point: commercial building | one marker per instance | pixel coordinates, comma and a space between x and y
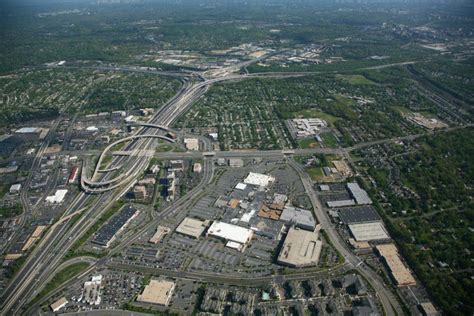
258, 179
139, 192
73, 175
14, 189
161, 232
340, 203
157, 292
108, 232
236, 162
237, 237
428, 309
191, 143
241, 186
398, 270
192, 227
369, 231
301, 248
197, 167
299, 217
91, 294
56, 306
359, 214
58, 197
358, 194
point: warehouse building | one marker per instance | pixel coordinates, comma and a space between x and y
237, 237
192, 227
398, 270
360, 214
299, 217
369, 231
301, 248
340, 203
108, 232
157, 292
358, 194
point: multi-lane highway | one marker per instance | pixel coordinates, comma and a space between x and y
47, 256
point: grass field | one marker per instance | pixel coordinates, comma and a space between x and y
61, 277
355, 79
329, 139
308, 143
316, 173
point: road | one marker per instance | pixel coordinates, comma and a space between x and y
389, 302
46, 257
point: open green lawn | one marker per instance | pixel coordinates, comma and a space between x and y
329, 139
61, 277
308, 143
355, 79
315, 173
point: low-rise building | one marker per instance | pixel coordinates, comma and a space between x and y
192, 227
139, 192
191, 144
161, 232
14, 189
358, 194
157, 292
258, 179
399, 272
58, 197
197, 167
237, 237
299, 217
369, 231
301, 248
236, 162
61, 303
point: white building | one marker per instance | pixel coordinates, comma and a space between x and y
14, 189
192, 144
58, 197
237, 237
258, 179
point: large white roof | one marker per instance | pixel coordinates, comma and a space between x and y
58, 197
259, 179
230, 232
369, 231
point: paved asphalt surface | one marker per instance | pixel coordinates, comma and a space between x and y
46, 258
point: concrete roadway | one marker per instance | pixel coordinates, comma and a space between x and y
388, 300
39, 263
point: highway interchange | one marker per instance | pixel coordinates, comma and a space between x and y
104, 187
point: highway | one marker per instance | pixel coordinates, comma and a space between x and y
48, 254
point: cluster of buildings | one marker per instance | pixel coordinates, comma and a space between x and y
358, 196
252, 210
307, 127
428, 123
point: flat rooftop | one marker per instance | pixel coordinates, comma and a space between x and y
230, 232
300, 217
157, 292
191, 227
359, 214
359, 194
301, 248
399, 271
369, 231
259, 179
107, 232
